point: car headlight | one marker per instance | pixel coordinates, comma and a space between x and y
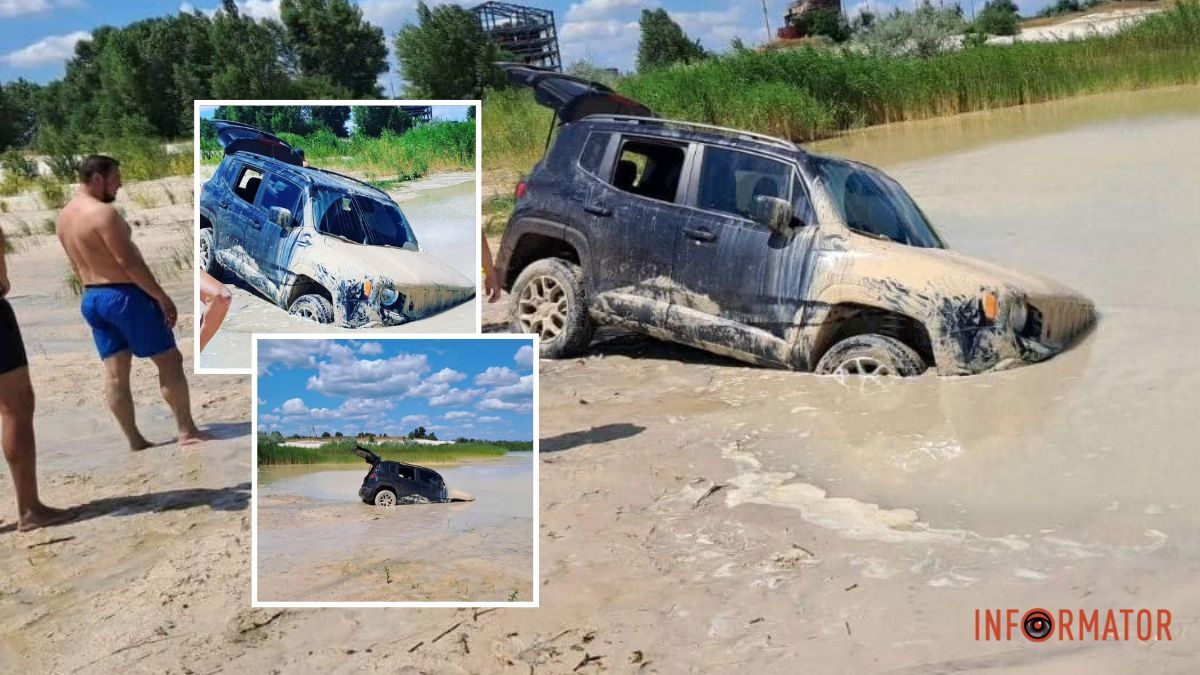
388, 296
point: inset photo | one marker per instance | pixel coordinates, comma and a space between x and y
395, 471
332, 216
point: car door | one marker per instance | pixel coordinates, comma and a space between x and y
276, 242
738, 285
240, 248
636, 215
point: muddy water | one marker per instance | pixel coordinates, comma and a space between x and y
442, 212
318, 541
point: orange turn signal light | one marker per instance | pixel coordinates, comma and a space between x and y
366, 289
990, 306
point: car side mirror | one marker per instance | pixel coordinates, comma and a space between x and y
281, 216
772, 212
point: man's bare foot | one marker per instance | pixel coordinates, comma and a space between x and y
193, 437
140, 444
44, 516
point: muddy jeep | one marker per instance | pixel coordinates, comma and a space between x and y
747, 246
318, 244
389, 483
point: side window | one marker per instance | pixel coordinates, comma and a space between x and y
593, 152
279, 192
247, 183
730, 180
404, 471
649, 169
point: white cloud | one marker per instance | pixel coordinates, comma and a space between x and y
458, 415
370, 349
428, 389
19, 7
524, 357
523, 388
260, 9
488, 419
388, 14
446, 376
591, 10
51, 49
455, 397
496, 375
495, 404
262, 401
382, 377
420, 420
298, 353
269, 419
295, 406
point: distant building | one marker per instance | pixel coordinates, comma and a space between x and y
792, 26
527, 33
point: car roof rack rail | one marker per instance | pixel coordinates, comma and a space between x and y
356, 180
724, 131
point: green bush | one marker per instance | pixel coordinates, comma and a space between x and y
54, 194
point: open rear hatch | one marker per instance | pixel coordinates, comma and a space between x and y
570, 97
238, 137
366, 454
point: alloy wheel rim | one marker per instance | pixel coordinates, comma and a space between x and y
386, 499
864, 365
543, 307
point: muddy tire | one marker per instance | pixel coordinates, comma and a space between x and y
871, 354
208, 254
384, 497
313, 307
548, 300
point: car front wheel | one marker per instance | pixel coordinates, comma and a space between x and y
385, 497
871, 354
312, 307
548, 300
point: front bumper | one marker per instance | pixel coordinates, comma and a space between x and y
1052, 325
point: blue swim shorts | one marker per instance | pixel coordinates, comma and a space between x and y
124, 317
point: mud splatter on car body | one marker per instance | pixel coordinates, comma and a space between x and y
750, 247
294, 232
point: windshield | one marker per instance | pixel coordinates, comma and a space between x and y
873, 204
361, 219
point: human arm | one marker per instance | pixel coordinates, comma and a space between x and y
118, 240
491, 283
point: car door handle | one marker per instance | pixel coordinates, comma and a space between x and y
597, 209
699, 234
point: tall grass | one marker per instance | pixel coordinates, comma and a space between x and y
809, 92
424, 149
341, 452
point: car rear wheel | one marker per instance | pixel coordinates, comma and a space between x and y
385, 497
312, 307
208, 254
873, 355
548, 300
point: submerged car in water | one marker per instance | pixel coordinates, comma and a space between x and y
389, 483
321, 245
748, 246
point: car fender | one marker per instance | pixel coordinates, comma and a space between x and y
523, 225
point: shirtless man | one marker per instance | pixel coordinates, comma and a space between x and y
128, 311
16, 417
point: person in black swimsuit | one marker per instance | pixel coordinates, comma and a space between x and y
16, 417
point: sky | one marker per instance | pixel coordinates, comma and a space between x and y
38, 36
473, 388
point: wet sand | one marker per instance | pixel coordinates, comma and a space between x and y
318, 542
442, 211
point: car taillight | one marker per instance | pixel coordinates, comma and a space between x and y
371, 476
522, 188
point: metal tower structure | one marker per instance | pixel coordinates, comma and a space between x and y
527, 33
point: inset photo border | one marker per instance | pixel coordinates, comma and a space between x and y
298, 228
395, 471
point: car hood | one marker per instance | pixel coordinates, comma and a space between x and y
404, 267
572, 98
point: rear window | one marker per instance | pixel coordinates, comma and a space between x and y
280, 192
649, 169
593, 152
247, 184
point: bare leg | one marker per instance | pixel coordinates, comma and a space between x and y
174, 385
16, 414
216, 298
120, 398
